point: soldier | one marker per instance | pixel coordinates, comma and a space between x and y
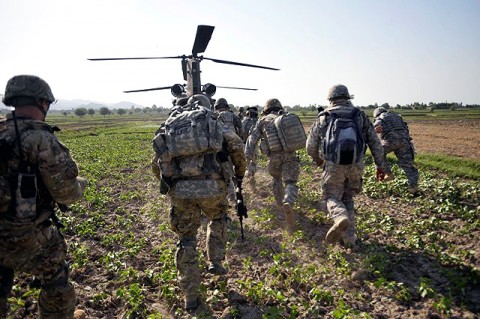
36, 171
282, 166
241, 113
342, 177
230, 120
248, 123
203, 190
395, 137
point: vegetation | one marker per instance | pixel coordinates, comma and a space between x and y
417, 257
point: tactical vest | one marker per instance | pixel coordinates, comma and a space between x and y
23, 195
392, 122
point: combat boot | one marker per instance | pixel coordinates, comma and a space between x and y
414, 191
3, 307
216, 268
336, 231
289, 217
191, 302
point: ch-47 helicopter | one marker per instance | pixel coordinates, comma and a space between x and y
191, 68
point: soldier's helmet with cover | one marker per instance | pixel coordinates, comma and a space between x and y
200, 99
272, 104
378, 111
338, 91
221, 103
30, 86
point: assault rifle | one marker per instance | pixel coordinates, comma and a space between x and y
241, 208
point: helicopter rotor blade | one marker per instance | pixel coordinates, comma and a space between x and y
138, 58
203, 36
152, 89
236, 88
241, 64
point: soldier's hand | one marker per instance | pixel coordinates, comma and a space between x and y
380, 174
379, 129
82, 182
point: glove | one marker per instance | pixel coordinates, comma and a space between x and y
320, 162
380, 174
82, 182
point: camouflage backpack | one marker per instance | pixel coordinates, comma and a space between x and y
285, 133
187, 143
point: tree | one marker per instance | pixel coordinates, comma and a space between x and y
104, 111
81, 111
91, 111
121, 111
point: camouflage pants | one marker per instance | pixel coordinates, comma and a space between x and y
405, 155
185, 221
41, 253
340, 183
285, 169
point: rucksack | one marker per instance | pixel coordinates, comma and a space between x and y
290, 132
344, 143
184, 141
285, 133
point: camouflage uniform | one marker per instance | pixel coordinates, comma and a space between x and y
233, 123
186, 212
282, 166
395, 137
341, 182
248, 123
31, 244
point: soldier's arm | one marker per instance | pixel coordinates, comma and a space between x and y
373, 142
378, 125
58, 170
313, 143
252, 140
155, 167
238, 125
235, 148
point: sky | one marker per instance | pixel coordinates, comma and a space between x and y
384, 51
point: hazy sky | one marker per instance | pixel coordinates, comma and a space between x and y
395, 51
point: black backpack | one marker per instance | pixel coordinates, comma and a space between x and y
344, 143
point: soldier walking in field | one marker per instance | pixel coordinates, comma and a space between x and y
283, 165
337, 141
395, 137
36, 172
248, 123
194, 169
230, 122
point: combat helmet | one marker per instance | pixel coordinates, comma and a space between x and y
199, 99
378, 111
30, 86
338, 91
221, 103
272, 104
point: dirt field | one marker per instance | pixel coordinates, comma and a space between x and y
456, 138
